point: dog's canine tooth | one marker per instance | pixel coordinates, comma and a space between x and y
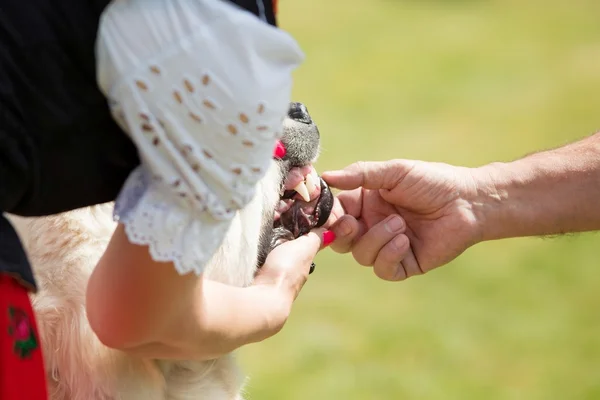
303, 191
311, 185
315, 175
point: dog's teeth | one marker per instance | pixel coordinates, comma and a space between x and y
303, 191
315, 175
310, 183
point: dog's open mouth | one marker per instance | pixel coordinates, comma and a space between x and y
305, 202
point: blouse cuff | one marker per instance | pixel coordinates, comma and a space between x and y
202, 88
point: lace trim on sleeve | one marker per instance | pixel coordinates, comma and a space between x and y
203, 98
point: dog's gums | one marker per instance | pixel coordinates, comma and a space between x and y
301, 211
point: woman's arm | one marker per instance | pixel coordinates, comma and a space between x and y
201, 88
146, 308
546, 193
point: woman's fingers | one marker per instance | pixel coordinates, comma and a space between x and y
288, 265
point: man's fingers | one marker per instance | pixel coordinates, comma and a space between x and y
348, 202
388, 264
369, 175
367, 248
347, 230
351, 202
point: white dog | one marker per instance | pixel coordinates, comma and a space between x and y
65, 248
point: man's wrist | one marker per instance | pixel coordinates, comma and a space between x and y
495, 205
546, 193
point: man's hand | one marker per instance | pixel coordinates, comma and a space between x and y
444, 209
403, 217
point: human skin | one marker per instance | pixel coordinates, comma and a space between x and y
407, 217
147, 309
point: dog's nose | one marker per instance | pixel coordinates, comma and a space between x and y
298, 112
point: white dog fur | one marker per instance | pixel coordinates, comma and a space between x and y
65, 248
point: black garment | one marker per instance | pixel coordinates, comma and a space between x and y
263, 9
60, 149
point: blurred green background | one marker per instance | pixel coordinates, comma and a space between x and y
464, 82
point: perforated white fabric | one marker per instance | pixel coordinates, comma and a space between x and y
202, 88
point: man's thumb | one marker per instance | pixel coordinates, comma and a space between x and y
368, 174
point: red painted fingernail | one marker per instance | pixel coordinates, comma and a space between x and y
279, 151
328, 238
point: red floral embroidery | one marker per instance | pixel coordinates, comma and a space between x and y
20, 329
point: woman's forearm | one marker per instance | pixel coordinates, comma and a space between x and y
234, 319
547, 193
146, 308
223, 318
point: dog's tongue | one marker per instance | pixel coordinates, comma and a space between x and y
305, 181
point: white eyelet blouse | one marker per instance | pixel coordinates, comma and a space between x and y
201, 87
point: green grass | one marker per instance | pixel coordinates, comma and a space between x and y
465, 82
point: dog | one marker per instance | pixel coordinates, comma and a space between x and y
290, 200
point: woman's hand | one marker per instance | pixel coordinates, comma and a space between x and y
286, 270
145, 308
288, 265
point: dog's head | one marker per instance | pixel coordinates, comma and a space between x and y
305, 199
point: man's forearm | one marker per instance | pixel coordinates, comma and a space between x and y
547, 193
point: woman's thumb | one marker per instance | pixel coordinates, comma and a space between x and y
307, 246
